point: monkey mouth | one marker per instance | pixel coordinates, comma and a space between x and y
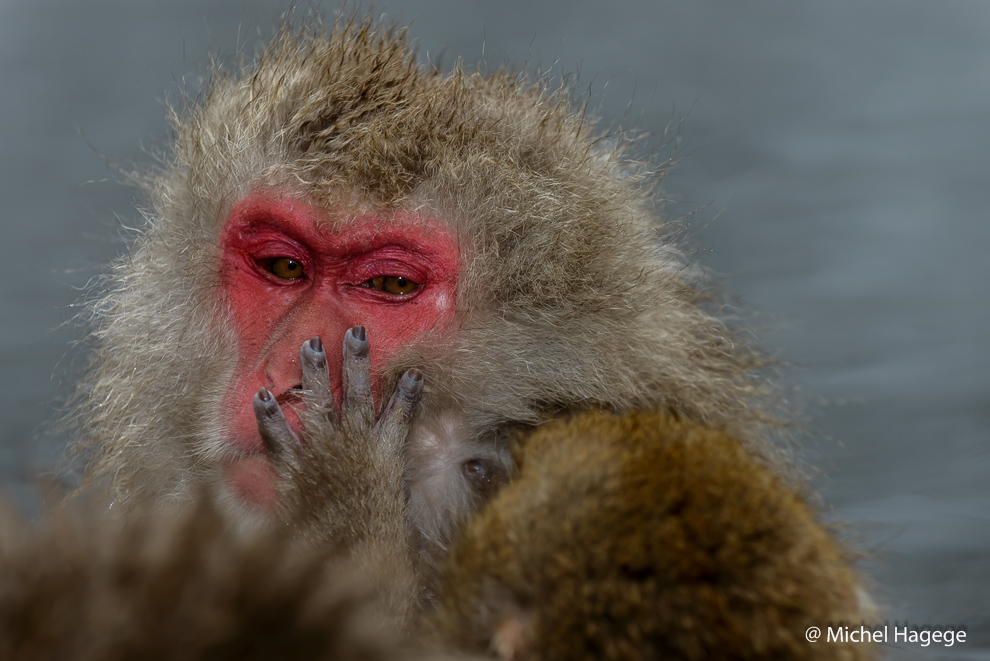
244, 440
293, 404
291, 399
247, 469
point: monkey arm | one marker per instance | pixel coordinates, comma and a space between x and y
341, 484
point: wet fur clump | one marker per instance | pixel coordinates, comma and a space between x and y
646, 536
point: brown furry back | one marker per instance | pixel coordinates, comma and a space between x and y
178, 587
571, 294
646, 536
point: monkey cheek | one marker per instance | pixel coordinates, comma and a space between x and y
251, 480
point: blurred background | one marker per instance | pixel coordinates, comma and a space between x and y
835, 156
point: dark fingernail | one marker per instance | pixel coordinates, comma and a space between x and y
316, 345
412, 382
358, 333
264, 395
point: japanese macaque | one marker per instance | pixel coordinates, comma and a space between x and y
476, 227
487, 260
640, 535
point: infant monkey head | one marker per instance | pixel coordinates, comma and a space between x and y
646, 536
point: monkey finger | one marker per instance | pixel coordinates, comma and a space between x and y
315, 377
358, 408
393, 426
279, 439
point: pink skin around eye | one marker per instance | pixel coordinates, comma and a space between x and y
274, 316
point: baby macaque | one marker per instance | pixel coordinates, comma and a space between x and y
646, 536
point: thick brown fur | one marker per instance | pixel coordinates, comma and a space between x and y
180, 585
571, 294
646, 536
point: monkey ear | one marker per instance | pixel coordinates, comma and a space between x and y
511, 638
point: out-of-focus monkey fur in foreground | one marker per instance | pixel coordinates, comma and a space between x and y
640, 536
575, 461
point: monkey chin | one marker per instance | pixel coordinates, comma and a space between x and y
250, 480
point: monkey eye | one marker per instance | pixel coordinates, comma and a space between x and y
392, 284
285, 268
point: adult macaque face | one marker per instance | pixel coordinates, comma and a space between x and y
293, 271
478, 226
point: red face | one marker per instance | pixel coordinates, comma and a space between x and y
289, 277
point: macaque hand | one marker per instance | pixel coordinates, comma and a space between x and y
343, 479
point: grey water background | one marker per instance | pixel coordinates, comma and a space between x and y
836, 156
